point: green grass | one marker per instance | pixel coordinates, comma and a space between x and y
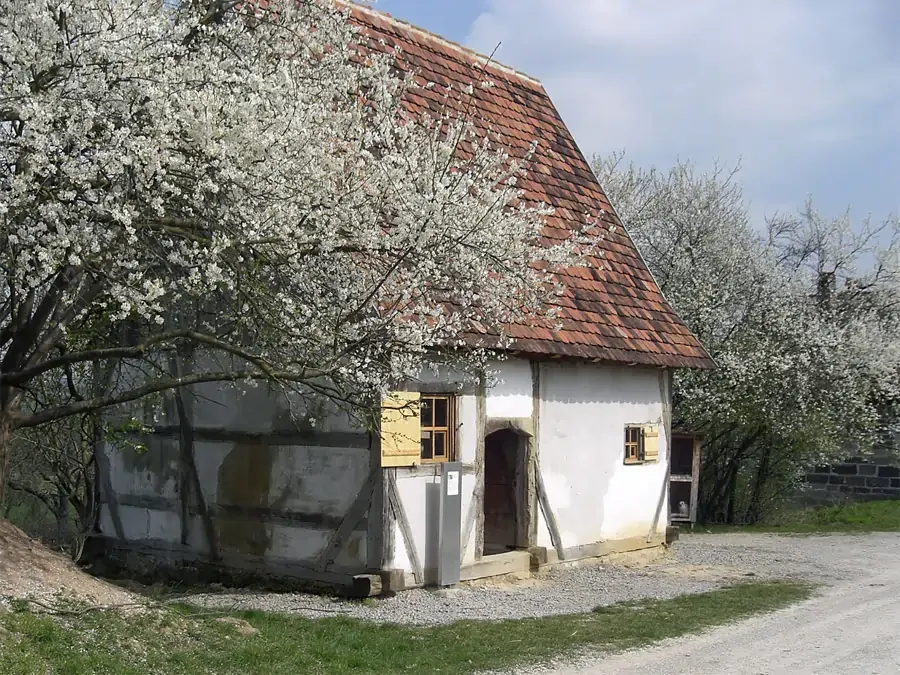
177, 642
875, 516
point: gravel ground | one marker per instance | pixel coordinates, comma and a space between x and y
822, 558
852, 627
697, 563
568, 591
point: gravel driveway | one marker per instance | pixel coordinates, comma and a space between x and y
697, 563
851, 628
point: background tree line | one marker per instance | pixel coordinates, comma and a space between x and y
799, 312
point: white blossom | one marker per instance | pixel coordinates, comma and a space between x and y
231, 170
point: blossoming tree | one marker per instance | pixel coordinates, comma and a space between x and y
800, 315
238, 180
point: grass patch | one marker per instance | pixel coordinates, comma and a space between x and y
875, 516
177, 642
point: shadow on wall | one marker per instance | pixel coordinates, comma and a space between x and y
432, 531
262, 410
244, 482
597, 383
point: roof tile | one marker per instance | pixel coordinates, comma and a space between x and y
614, 312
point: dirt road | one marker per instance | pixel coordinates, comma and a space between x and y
852, 627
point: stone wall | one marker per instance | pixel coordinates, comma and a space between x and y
857, 479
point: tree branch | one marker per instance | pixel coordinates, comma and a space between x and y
50, 414
20, 487
23, 376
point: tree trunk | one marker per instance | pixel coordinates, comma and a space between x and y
762, 476
90, 516
189, 476
734, 468
6, 436
102, 377
63, 519
731, 496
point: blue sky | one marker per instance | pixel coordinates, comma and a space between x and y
804, 93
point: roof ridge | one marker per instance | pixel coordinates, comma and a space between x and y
489, 61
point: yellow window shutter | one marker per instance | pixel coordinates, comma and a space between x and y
400, 429
651, 443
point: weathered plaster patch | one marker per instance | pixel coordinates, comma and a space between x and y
244, 478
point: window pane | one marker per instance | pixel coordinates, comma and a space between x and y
440, 444
426, 445
427, 412
440, 412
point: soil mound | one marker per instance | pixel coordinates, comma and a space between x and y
31, 571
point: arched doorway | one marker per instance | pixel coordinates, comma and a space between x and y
504, 462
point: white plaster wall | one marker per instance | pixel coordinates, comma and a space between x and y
412, 492
438, 377
510, 392
468, 496
583, 411
308, 479
423, 517
302, 480
412, 489
467, 432
152, 471
288, 543
143, 524
296, 543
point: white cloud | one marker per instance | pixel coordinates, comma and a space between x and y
784, 84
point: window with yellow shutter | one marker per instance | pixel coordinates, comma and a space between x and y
417, 429
641, 443
399, 429
650, 433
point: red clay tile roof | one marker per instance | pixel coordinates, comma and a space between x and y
614, 313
